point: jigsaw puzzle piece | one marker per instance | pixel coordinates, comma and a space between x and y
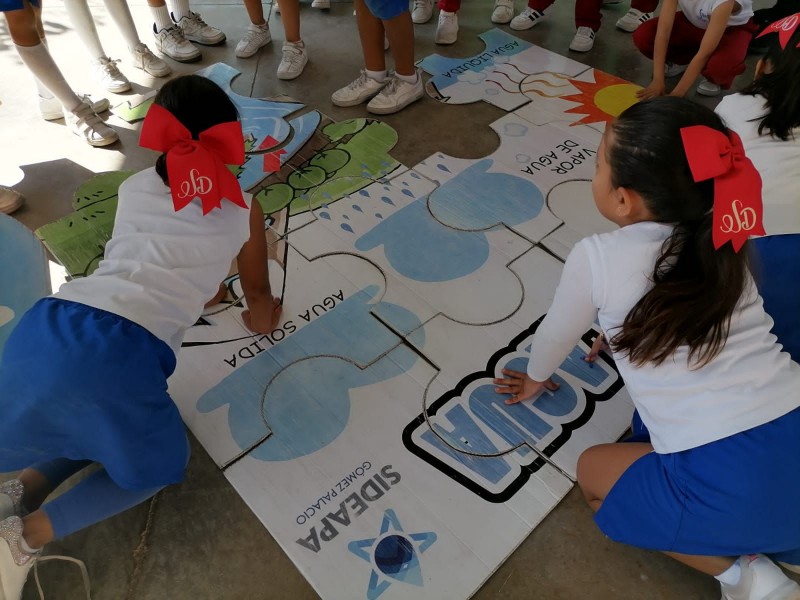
593, 98
573, 203
78, 240
498, 75
263, 121
590, 407
135, 108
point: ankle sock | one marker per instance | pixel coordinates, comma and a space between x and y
180, 9
731, 575
161, 17
39, 62
23, 545
407, 78
378, 76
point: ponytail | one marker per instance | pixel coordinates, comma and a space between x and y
695, 287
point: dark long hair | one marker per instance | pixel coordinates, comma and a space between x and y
198, 103
695, 287
780, 88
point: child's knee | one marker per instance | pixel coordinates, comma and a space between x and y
644, 37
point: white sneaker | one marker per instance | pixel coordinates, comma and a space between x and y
14, 563
526, 19
632, 19
583, 40
359, 90
171, 42
197, 30
109, 76
447, 29
762, 579
294, 60
148, 62
673, 70
708, 88
255, 38
503, 11
52, 110
321, 4
10, 200
83, 122
422, 11
396, 95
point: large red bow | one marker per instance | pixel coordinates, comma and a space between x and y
737, 184
196, 167
785, 28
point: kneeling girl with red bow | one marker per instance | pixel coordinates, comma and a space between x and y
83, 377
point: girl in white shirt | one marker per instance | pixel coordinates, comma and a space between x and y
717, 485
83, 376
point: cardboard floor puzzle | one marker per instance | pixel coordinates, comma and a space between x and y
364, 430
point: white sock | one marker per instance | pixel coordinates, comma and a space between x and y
730, 576
179, 9
121, 14
39, 62
407, 78
83, 22
23, 545
378, 76
40, 87
161, 17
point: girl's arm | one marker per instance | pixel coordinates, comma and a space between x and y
263, 311
717, 25
666, 19
572, 313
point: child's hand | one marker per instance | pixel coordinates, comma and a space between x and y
598, 346
656, 88
521, 387
263, 317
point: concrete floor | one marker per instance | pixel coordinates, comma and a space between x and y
199, 540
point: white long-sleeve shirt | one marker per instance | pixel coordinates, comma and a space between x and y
751, 382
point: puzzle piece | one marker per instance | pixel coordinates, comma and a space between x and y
24, 277
593, 98
135, 108
263, 121
79, 239
497, 75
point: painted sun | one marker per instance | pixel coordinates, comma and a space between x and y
603, 99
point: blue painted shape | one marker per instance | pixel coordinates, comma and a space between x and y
420, 248
476, 199
260, 118
303, 128
491, 408
24, 276
576, 366
316, 368
445, 70
464, 428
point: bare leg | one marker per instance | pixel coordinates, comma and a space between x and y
37, 529
400, 32
256, 12
600, 467
370, 30
290, 16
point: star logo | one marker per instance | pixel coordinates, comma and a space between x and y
393, 555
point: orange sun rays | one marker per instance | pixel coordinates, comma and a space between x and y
601, 100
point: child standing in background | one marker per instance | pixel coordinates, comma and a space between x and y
716, 485
708, 37
109, 340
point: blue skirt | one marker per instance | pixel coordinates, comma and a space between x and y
7, 5
739, 495
81, 383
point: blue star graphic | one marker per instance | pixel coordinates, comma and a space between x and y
393, 555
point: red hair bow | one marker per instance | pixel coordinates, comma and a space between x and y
196, 167
785, 28
737, 184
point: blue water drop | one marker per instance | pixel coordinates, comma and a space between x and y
379, 215
357, 208
347, 227
346, 217
408, 193
387, 200
324, 205
441, 167
364, 193
325, 215
415, 175
405, 183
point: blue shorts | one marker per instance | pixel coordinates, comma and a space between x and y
9, 5
384, 9
739, 495
84, 384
